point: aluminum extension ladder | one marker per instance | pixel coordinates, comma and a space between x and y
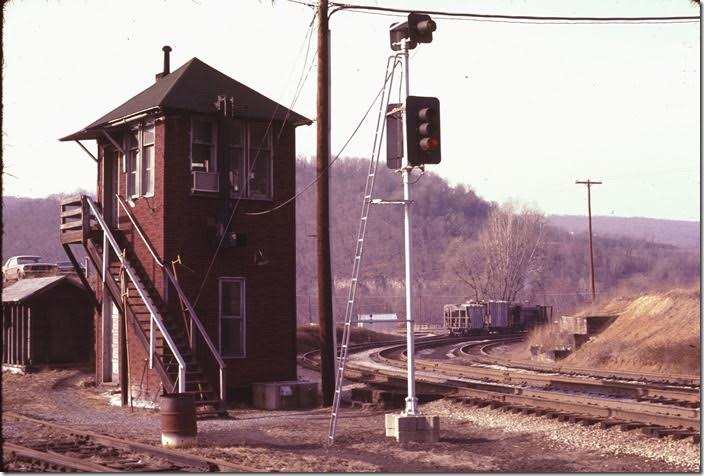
359, 251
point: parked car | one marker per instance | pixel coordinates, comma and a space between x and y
66, 267
21, 267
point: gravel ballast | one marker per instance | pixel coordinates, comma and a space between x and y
471, 439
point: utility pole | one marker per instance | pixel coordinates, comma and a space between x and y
589, 184
325, 317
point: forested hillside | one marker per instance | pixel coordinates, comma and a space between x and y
455, 232
446, 222
31, 227
679, 233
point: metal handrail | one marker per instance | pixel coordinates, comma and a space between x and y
154, 315
181, 294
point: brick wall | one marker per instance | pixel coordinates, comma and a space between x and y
190, 231
178, 223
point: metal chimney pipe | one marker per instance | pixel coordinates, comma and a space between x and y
167, 68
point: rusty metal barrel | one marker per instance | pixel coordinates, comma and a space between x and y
178, 420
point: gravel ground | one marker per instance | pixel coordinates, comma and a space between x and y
472, 439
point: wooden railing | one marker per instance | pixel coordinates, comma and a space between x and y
74, 220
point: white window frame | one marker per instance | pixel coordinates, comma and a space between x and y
242, 318
250, 152
140, 166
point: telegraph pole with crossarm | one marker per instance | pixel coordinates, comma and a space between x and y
589, 184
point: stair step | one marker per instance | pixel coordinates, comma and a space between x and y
197, 382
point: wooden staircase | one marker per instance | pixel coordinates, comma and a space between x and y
209, 401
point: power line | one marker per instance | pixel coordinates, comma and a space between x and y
325, 171
299, 87
518, 18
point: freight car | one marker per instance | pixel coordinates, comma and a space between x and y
483, 317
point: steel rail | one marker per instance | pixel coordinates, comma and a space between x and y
154, 315
597, 383
689, 380
56, 459
182, 296
676, 396
174, 456
646, 413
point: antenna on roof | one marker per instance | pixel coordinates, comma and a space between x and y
167, 68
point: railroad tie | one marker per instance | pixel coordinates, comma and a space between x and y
606, 424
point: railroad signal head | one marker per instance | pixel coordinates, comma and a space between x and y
397, 32
418, 29
423, 130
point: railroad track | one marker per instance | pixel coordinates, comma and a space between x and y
483, 355
586, 402
54, 447
610, 385
657, 410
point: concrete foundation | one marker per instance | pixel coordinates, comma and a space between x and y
416, 428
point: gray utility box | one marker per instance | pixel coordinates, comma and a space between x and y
287, 395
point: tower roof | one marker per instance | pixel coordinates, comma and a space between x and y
193, 87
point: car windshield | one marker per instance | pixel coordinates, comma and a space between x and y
28, 259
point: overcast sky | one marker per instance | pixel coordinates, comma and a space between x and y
527, 109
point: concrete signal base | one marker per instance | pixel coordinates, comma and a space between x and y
416, 428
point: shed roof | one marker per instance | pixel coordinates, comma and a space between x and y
24, 289
193, 87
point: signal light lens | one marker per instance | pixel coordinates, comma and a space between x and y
426, 26
426, 129
429, 143
427, 114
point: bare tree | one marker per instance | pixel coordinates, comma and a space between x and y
505, 256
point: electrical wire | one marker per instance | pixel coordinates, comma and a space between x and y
518, 18
301, 82
364, 117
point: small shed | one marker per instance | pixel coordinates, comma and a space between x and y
46, 321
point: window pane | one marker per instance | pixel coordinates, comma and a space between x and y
260, 173
201, 157
131, 184
231, 337
202, 131
257, 137
148, 170
235, 133
230, 296
148, 134
132, 157
235, 170
133, 139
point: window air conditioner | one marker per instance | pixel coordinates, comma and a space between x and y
205, 181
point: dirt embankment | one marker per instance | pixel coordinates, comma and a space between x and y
654, 333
